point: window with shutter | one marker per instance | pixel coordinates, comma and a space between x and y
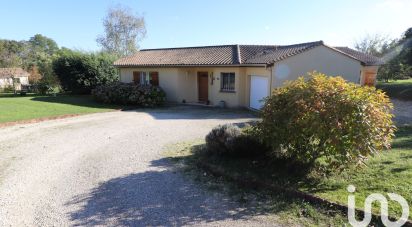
136, 77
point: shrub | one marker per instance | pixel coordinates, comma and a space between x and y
79, 73
129, 94
220, 139
326, 120
246, 145
231, 140
7, 89
42, 87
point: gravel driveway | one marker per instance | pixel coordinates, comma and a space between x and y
107, 169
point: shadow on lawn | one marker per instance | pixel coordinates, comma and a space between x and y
403, 138
75, 100
156, 198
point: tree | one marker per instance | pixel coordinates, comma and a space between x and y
406, 41
376, 45
79, 72
123, 31
11, 53
40, 43
35, 75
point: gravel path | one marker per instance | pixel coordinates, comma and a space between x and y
107, 169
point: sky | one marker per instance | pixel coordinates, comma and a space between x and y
77, 23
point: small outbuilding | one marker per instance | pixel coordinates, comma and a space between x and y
13, 77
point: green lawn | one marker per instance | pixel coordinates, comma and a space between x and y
16, 108
390, 171
401, 89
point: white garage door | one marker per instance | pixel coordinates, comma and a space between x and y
258, 91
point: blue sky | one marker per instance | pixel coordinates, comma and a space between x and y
77, 23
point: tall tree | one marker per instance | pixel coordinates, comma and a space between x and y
12, 53
123, 30
35, 75
406, 41
40, 43
41, 52
376, 45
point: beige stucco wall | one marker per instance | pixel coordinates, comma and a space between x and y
321, 59
168, 79
6, 82
181, 83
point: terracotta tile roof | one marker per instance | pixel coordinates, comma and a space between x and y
281, 52
212, 55
248, 51
224, 55
365, 58
9, 72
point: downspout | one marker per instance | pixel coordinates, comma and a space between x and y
271, 77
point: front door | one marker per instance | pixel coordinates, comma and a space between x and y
202, 85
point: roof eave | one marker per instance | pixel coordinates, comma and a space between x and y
191, 65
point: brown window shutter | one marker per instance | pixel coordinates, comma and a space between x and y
136, 77
154, 78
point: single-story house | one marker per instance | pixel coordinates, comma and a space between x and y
16, 76
240, 75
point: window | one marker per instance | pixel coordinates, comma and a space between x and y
136, 77
227, 82
16, 80
144, 78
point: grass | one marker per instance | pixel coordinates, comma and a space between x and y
400, 89
388, 172
17, 108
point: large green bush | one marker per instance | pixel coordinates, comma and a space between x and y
326, 120
79, 73
129, 94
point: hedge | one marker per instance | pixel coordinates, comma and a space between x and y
130, 94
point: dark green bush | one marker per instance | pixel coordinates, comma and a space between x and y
326, 120
130, 94
42, 87
79, 73
246, 145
